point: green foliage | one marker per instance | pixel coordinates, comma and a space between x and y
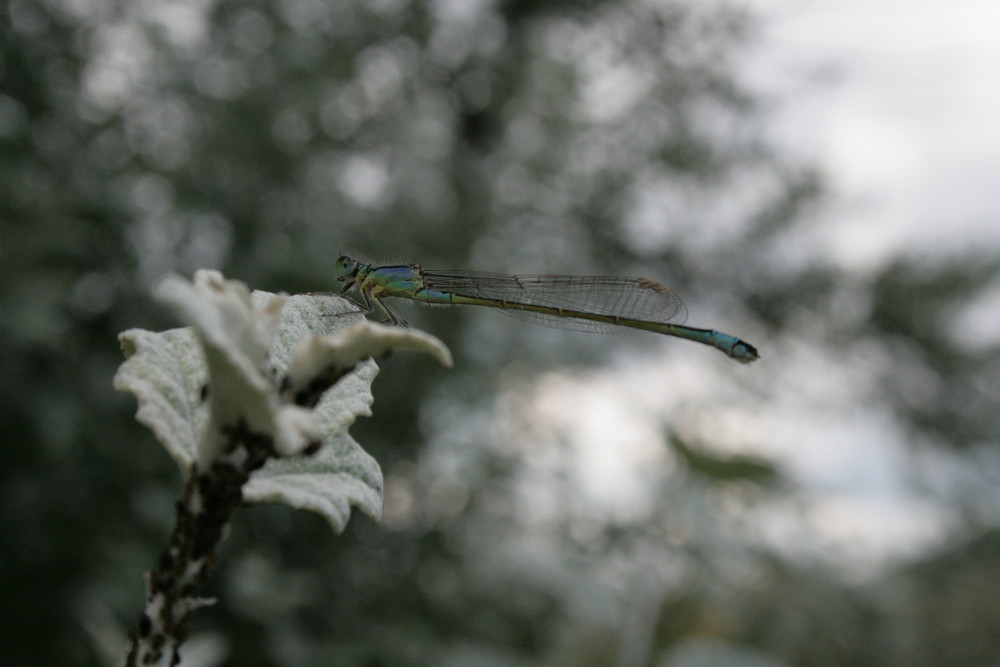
752, 469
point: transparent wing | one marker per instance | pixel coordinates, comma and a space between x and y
630, 298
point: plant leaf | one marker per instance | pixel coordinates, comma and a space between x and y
239, 347
166, 372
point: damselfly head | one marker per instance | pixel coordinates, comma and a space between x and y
345, 268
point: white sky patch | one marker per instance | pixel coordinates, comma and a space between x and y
856, 536
611, 437
611, 90
852, 452
855, 502
898, 102
975, 325
863, 534
365, 180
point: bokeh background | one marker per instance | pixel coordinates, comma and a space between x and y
818, 178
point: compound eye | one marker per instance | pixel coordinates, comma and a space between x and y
344, 267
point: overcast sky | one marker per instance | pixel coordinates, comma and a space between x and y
899, 101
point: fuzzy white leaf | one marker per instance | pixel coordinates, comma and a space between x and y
338, 476
236, 338
239, 346
166, 372
319, 357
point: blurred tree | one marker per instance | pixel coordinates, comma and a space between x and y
261, 138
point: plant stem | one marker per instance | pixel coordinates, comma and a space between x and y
203, 514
